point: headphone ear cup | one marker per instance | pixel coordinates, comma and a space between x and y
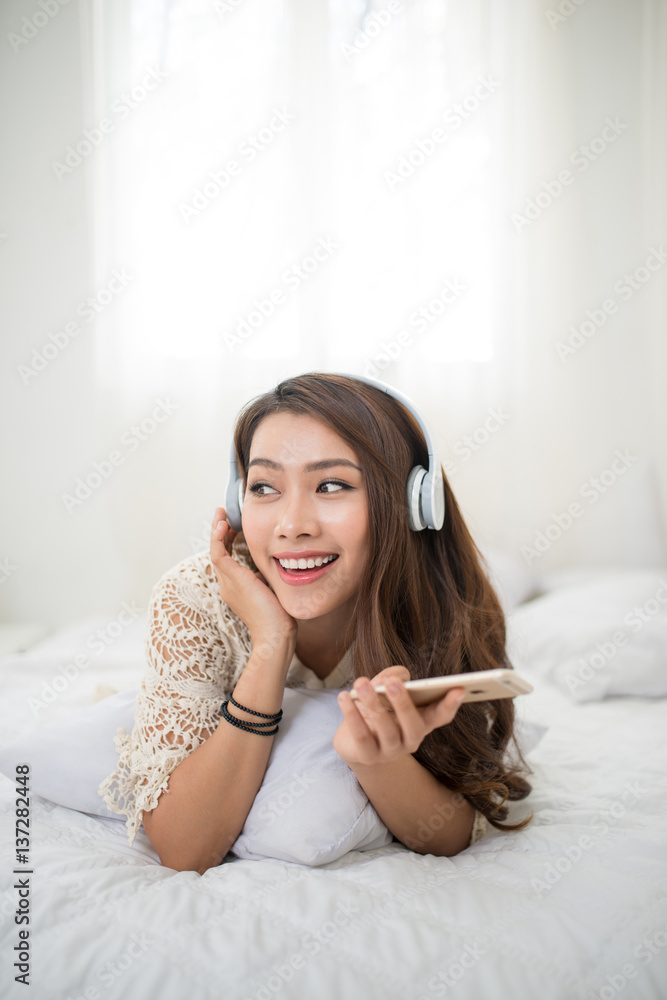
234, 504
433, 499
414, 498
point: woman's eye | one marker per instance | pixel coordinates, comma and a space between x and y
258, 489
328, 486
334, 482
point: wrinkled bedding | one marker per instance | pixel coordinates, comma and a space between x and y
574, 906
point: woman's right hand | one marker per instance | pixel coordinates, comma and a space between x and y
246, 592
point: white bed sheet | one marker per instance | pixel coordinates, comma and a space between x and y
531, 915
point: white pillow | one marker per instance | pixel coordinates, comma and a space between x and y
69, 759
596, 638
310, 808
511, 578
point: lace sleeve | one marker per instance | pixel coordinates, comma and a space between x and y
196, 649
479, 828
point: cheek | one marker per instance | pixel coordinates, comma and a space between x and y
256, 516
357, 530
254, 531
354, 534
352, 518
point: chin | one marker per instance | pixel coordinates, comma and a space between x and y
307, 607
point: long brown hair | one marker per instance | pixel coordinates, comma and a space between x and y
425, 601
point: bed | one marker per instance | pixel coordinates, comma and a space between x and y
575, 905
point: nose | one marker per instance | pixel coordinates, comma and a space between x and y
296, 515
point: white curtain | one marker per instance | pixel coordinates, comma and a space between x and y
294, 185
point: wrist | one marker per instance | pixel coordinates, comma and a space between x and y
380, 768
272, 649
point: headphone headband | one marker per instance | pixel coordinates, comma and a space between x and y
402, 398
425, 490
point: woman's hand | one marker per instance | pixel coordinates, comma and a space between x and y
246, 592
372, 734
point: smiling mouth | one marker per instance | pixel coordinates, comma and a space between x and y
311, 562
305, 569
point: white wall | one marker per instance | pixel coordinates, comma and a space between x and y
47, 430
567, 420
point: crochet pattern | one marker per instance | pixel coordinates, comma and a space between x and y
196, 649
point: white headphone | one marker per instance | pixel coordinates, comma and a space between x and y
425, 491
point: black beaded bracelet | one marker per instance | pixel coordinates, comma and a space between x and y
250, 727
256, 725
262, 715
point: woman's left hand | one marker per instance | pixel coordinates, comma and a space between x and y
372, 734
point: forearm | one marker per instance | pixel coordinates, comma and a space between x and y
416, 808
210, 793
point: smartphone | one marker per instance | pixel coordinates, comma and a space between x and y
480, 685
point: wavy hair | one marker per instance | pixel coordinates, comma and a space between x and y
425, 601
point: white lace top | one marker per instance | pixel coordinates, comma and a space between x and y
196, 649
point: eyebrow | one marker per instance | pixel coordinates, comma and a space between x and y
325, 463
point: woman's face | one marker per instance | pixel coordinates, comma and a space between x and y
305, 499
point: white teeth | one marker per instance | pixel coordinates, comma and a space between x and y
303, 563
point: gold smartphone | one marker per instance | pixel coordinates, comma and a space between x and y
480, 685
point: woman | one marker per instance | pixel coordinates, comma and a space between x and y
324, 461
